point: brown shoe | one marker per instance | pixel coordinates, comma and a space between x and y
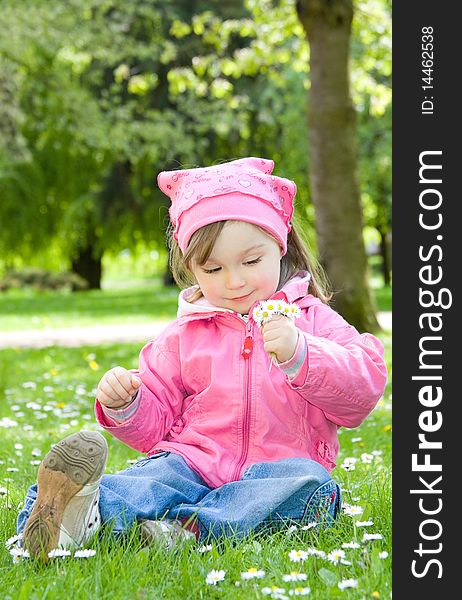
66, 510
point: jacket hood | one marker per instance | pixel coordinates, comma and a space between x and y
294, 290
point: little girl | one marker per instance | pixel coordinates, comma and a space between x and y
239, 422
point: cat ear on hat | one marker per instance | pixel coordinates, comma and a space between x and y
168, 182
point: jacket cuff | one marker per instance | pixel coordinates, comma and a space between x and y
296, 365
120, 415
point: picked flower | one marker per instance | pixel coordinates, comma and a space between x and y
267, 309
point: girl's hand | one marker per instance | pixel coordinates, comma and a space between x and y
117, 388
280, 336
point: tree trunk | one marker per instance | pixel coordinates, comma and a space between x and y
385, 255
88, 264
332, 134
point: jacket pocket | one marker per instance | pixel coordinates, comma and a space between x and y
321, 452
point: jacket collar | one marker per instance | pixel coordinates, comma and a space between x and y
295, 289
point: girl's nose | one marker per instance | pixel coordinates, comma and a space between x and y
234, 280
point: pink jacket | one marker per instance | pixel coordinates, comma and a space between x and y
202, 399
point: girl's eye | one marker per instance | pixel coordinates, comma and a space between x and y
209, 271
253, 262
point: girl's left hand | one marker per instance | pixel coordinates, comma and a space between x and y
280, 336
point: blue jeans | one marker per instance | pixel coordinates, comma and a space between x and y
296, 490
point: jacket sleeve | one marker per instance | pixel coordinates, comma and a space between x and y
345, 372
160, 398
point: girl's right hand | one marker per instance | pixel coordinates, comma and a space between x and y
117, 388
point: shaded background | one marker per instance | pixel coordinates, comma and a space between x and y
97, 97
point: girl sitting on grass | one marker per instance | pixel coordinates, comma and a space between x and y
236, 404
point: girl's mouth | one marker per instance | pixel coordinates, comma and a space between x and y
240, 298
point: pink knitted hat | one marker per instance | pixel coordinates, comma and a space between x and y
240, 190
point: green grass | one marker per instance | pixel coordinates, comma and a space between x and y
141, 302
47, 394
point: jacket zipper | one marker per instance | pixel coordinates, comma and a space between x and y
246, 352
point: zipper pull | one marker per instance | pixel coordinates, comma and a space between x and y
247, 347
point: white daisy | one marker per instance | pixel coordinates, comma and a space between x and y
253, 573
84, 553
12, 540
383, 554
273, 591
299, 591
351, 545
214, 577
294, 576
353, 510
309, 525
372, 536
7, 422
347, 583
205, 548
364, 523
316, 552
58, 553
335, 556
291, 529
298, 555
366, 458
19, 552
29, 384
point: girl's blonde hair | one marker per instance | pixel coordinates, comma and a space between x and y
297, 258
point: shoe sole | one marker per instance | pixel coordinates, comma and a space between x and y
73, 462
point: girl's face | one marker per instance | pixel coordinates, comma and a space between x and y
243, 267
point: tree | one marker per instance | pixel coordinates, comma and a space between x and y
333, 161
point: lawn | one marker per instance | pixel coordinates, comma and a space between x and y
141, 302
48, 393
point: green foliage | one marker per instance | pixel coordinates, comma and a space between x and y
371, 75
96, 97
